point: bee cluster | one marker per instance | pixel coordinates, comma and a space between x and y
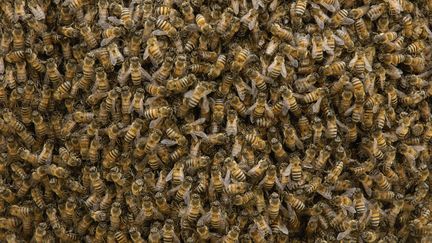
215, 121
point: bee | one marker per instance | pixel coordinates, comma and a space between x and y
300, 7
277, 67
256, 142
57, 171
360, 64
290, 101
34, 61
53, 72
284, 34
201, 91
278, 150
125, 15
375, 11
97, 183
362, 30
115, 213
164, 71
317, 47
188, 12
218, 67
243, 199
236, 172
168, 233
135, 235
240, 59
392, 58
340, 17
293, 201
260, 107
225, 21
134, 130
84, 224
359, 12
232, 236
382, 182
192, 41
416, 47
258, 170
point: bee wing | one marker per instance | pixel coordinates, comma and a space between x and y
159, 32
273, 5
156, 122
199, 134
146, 53
319, 22
317, 105
113, 60
198, 121
169, 175
205, 105
250, 109
418, 148
146, 75
192, 28
350, 209
283, 69
324, 193
2, 66
37, 12
269, 111
252, 23
279, 184
338, 40
344, 234
340, 124
186, 197
367, 64
256, 4
204, 219
173, 190
235, 4
348, 21
293, 61
353, 61
262, 181
106, 41
271, 67
299, 143
329, 7
114, 20
428, 31
287, 171
149, 101
227, 178
314, 49
252, 170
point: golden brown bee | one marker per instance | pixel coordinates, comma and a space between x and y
240, 59
153, 51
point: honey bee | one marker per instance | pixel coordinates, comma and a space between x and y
277, 67
340, 18
133, 131
359, 12
218, 67
362, 30
240, 59
259, 169
124, 13
168, 233
300, 7
201, 91
319, 16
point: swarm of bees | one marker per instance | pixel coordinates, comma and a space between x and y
215, 121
